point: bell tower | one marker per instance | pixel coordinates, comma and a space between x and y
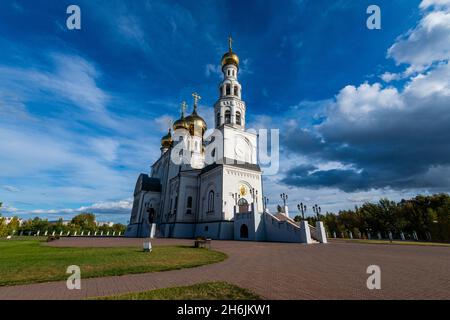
229, 109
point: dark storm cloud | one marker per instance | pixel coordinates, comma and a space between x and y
401, 147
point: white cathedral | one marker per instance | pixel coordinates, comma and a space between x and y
211, 186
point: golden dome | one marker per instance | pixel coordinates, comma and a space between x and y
181, 124
196, 124
166, 141
230, 57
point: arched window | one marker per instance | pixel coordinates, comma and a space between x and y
227, 117
189, 205
220, 91
211, 201
228, 88
218, 119
238, 118
236, 90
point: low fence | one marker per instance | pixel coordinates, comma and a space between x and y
67, 234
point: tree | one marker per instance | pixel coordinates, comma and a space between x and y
426, 215
84, 221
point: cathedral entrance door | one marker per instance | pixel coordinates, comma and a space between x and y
244, 232
243, 205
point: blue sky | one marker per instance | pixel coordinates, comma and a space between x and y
363, 113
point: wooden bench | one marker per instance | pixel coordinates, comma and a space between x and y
202, 242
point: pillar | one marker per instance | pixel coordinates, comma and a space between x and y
320, 231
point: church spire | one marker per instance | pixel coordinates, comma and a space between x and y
230, 109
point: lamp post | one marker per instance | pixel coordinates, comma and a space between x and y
302, 209
254, 194
265, 202
317, 210
284, 197
235, 197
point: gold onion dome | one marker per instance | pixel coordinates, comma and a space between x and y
196, 124
181, 124
167, 141
230, 57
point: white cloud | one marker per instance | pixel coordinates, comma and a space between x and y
425, 4
121, 209
358, 102
130, 27
429, 41
11, 188
434, 82
389, 77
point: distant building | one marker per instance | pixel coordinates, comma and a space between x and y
64, 222
104, 223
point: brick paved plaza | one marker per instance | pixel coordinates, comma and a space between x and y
276, 271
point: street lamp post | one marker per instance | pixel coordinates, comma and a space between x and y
302, 209
284, 197
317, 210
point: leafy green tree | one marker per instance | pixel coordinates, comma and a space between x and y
83, 221
428, 216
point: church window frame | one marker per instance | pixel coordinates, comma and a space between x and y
228, 89
227, 116
175, 205
189, 202
236, 90
238, 118
211, 195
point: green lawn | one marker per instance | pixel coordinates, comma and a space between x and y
413, 243
30, 261
201, 291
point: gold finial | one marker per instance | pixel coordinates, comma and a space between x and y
196, 98
183, 108
230, 43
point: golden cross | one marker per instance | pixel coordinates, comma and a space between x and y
230, 43
196, 98
183, 107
